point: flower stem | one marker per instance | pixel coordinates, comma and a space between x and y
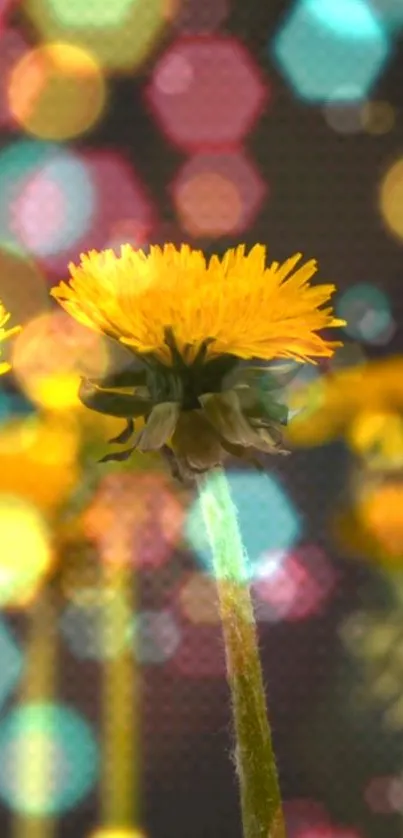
261, 807
120, 708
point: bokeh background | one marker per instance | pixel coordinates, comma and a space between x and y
212, 122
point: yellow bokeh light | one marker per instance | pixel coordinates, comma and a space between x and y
117, 833
25, 551
36, 771
380, 510
391, 198
38, 460
49, 356
120, 35
377, 435
378, 117
57, 91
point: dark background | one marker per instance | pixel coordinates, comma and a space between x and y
322, 200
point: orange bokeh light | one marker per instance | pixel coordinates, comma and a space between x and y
57, 91
209, 205
391, 199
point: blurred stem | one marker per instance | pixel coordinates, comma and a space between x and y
120, 702
261, 807
38, 686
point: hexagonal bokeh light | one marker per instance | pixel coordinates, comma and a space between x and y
56, 203
119, 34
390, 13
47, 198
217, 194
391, 199
367, 310
135, 518
56, 91
197, 599
206, 92
156, 636
268, 519
293, 585
53, 206
331, 49
122, 198
90, 632
200, 653
49, 759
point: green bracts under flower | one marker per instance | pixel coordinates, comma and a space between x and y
194, 413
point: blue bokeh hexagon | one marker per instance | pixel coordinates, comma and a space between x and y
390, 12
268, 520
331, 50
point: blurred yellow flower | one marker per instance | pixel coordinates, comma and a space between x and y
380, 510
116, 832
188, 322
364, 404
5, 334
38, 471
372, 527
38, 460
26, 553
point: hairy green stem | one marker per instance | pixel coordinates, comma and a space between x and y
261, 807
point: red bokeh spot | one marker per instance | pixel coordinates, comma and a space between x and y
217, 194
122, 209
6, 6
200, 653
295, 585
306, 819
12, 48
135, 518
206, 92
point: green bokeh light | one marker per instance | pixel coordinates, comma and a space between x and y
97, 13
119, 34
367, 310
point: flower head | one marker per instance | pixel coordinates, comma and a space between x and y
5, 334
188, 324
364, 404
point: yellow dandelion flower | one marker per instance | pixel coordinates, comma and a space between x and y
188, 323
363, 404
5, 334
